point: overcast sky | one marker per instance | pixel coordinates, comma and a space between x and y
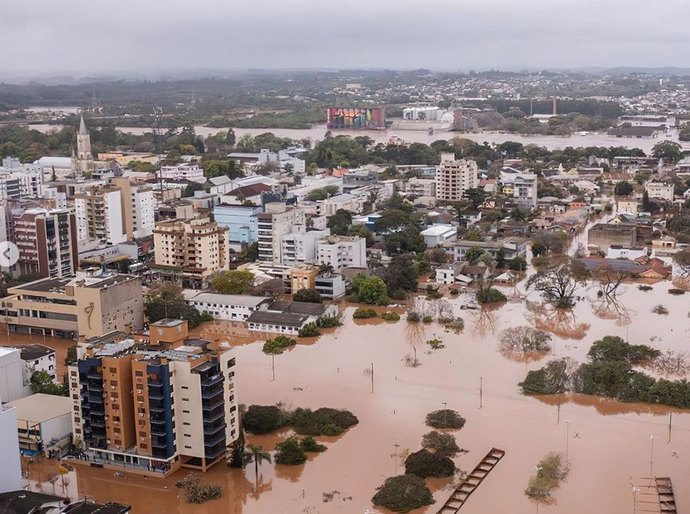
48, 37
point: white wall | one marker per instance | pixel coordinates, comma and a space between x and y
11, 476
192, 446
12, 385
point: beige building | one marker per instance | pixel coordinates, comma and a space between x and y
89, 305
342, 252
454, 177
153, 408
190, 250
660, 190
138, 205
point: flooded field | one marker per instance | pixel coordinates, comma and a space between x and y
317, 132
608, 443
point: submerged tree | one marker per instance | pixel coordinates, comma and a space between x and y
558, 281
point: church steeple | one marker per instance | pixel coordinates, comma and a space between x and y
82, 127
84, 161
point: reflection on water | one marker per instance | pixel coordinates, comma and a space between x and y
560, 322
612, 444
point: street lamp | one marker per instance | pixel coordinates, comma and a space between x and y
396, 458
567, 437
651, 455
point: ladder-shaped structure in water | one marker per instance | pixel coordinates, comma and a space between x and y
471, 482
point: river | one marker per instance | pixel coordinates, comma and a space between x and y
608, 443
317, 132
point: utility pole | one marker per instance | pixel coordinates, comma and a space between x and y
670, 420
372, 378
273, 367
157, 114
481, 392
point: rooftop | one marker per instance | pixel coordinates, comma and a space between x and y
224, 299
39, 407
35, 351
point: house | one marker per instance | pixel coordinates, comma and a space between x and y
462, 273
230, 307
438, 234
285, 317
621, 252
29, 502
660, 190
511, 247
627, 205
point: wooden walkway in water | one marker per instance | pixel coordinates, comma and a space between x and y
654, 495
471, 482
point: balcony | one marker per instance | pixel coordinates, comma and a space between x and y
215, 439
211, 429
212, 403
214, 452
211, 393
159, 442
213, 415
212, 380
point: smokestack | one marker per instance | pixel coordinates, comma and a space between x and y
555, 105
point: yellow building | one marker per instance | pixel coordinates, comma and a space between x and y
303, 277
190, 250
91, 304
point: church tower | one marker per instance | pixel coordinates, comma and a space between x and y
84, 161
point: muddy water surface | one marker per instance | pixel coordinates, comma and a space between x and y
608, 443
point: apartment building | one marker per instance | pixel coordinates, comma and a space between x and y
99, 216
190, 250
189, 172
300, 247
278, 220
138, 205
422, 187
660, 190
14, 383
155, 407
47, 242
89, 304
525, 190
454, 177
342, 252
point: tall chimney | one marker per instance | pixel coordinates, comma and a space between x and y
555, 105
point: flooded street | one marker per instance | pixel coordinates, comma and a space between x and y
608, 443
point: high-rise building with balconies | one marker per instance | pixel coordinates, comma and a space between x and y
454, 177
157, 406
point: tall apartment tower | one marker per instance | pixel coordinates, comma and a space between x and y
84, 160
454, 177
47, 242
154, 407
99, 216
190, 250
138, 205
272, 225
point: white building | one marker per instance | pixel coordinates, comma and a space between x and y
38, 357
230, 307
525, 190
300, 246
44, 423
623, 252
11, 476
138, 208
342, 252
189, 172
626, 205
99, 216
272, 225
14, 383
454, 177
659, 190
437, 234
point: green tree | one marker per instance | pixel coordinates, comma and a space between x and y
623, 188
476, 196
232, 282
401, 275
309, 295
370, 290
473, 254
290, 452
42, 382
166, 301
669, 151
340, 222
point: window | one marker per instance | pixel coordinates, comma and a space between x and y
185, 423
138, 373
185, 412
112, 370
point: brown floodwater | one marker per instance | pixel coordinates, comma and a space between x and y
608, 443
